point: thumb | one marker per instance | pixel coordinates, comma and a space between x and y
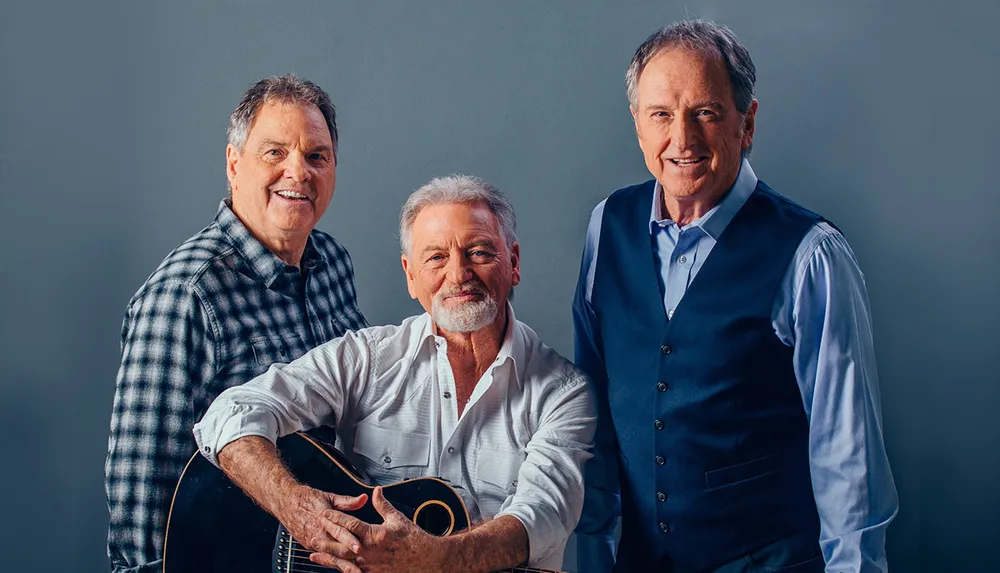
382, 505
346, 502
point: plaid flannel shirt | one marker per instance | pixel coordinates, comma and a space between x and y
217, 312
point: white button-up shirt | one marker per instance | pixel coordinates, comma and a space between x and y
517, 449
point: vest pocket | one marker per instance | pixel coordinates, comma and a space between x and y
731, 475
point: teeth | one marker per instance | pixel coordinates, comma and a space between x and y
292, 195
685, 161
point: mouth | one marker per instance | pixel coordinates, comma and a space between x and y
290, 195
463, 297
689, 161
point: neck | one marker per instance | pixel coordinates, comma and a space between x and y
289, 251
685, 210
477, 349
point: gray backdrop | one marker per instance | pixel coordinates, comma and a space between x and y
882, 117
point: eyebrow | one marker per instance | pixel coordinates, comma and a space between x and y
274, 142
271, 142
697, 105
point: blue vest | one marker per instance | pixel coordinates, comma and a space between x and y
711, 429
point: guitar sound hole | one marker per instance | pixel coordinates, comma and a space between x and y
435, 518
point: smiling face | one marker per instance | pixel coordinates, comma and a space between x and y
283, 179
690, 132
459, 266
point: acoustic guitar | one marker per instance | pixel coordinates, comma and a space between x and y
213, 527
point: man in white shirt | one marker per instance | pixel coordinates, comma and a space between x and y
464, 392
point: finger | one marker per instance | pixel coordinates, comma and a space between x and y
326, 560
347, 502
382, 505
338, 531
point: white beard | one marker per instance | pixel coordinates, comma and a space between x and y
469, 317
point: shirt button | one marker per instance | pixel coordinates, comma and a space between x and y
387, 460
661, 386
658, 424
660, 496
664, 527
670, 313
451, 450
447, 395
666, 349
660, 460
682, 259
208, 449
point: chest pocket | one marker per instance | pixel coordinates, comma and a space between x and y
496, 477
268, 350
388, 456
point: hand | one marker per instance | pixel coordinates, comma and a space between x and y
314, 520
397, 545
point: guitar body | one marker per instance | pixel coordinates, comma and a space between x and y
213, 527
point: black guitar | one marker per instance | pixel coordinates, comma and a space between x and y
214, 527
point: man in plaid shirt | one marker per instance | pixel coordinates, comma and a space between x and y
255, 287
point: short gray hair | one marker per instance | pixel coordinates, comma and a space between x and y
708, 38
286, 89
457, 189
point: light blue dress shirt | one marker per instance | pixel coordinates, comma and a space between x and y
821, 309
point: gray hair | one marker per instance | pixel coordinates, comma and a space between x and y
708, 38
457, 189
286, 89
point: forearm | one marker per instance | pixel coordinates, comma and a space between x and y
252, 462
496, 544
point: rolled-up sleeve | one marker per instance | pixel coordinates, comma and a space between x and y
549, 495
311, 391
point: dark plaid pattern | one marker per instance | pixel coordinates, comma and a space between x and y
217, 312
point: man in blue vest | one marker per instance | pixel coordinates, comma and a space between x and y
727, 333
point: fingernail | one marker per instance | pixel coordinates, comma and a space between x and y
355, 548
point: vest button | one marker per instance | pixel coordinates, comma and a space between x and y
664, 527
658, 424
660, 496
660, 460
666, 349
661, 386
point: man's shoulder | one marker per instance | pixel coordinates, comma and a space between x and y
326, 244
186, 266
632, 191
783, 202
543, 366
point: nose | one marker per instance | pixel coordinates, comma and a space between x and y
297, 167
683, 133
459, 269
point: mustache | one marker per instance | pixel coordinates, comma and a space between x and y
470, 287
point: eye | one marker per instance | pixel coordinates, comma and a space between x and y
272, 153
317, 158
706, 114
481, 255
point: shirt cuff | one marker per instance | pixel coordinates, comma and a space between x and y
230, 423
542, 537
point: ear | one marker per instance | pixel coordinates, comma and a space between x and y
749, 122
232, 158
635, 121
408, 271
515, 264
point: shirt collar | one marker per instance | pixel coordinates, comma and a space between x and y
715, 221
511, 349
265, 263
